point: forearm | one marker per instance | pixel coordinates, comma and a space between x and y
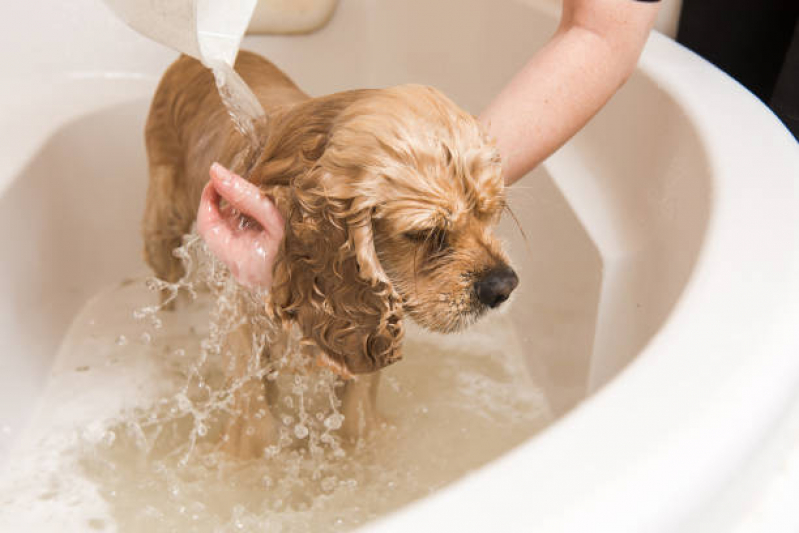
592, 54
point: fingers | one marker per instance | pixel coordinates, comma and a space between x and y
210, 224
246, 198
208, 213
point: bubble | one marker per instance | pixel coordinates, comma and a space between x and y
271, 451
301, 431
109, 437
121, 340
184, 404
334, 421
329, 484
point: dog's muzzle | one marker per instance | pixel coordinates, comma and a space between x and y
495, 286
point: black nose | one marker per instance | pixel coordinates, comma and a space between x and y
496, 285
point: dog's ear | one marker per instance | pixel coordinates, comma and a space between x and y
328, 278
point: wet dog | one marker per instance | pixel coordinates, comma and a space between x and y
390, 198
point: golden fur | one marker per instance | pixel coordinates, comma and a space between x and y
390, 197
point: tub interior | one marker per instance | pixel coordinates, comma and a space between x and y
611, 225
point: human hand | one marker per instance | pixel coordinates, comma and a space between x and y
246, 244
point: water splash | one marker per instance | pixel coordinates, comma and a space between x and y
241, 103
309, 400
134, 443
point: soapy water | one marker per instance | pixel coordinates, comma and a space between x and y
129, 431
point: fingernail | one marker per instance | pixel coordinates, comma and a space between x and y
222, 173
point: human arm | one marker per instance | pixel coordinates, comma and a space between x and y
591, 55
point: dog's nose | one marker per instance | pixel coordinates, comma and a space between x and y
496, 285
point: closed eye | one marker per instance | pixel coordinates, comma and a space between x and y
436, 240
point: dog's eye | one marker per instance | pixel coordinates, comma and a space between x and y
437, 239
418, 236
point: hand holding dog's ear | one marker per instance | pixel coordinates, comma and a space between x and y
247, 248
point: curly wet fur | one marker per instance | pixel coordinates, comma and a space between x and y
354, 174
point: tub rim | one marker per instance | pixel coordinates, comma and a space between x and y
743, 366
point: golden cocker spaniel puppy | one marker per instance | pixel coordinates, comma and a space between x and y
390, 198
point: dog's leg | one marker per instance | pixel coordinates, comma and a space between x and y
251, 427
165, 222
359, 406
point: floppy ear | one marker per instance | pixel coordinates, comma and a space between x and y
328, 278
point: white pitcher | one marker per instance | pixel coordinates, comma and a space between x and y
209, 30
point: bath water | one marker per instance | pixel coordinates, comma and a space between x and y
127, 437
243, 107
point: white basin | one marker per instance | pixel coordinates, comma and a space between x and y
659, 300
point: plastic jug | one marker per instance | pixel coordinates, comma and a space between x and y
209, 30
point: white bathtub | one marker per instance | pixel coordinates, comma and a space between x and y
659, 301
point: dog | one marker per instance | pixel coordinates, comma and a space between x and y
390, 199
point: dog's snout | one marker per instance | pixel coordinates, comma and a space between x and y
496, 285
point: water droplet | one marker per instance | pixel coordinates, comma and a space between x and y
300, 431
271, 451
109, 437
334, 421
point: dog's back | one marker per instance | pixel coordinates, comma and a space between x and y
188, 128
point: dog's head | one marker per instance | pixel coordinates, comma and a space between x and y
390, 198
